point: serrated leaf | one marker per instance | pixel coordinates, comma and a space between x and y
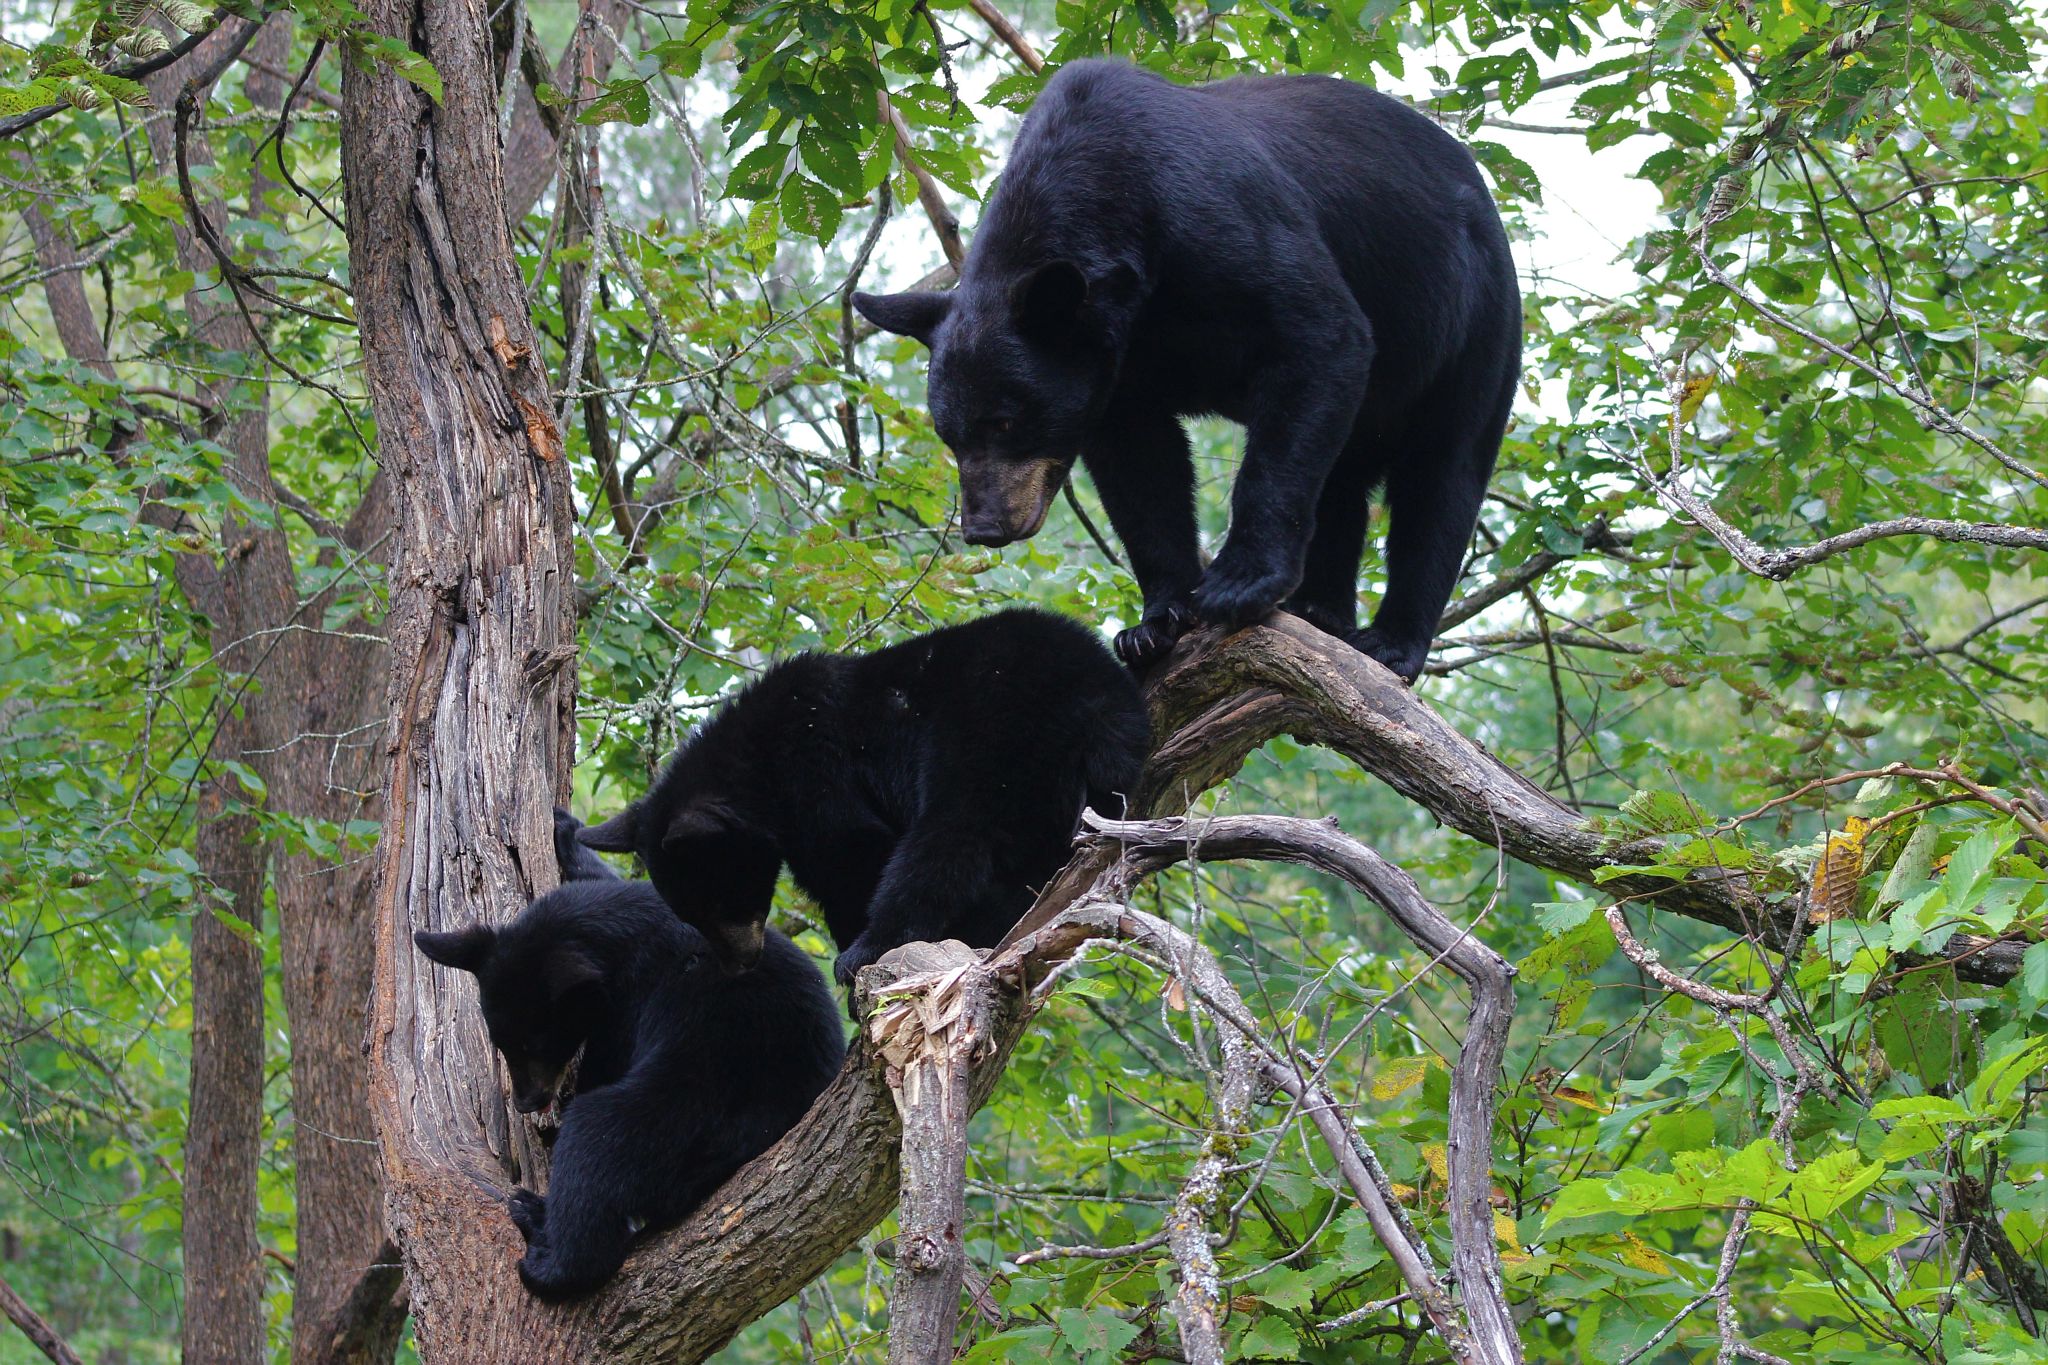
810, 208
1271, 1338
835, 162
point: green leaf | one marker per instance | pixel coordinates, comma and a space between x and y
1095, 1335
833, 161
1271, 1338
810, 208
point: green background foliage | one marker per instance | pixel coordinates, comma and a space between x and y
1869, 174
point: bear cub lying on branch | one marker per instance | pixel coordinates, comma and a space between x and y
1307, 257
686, 1075
921, 792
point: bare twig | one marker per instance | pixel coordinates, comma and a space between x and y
1007, 31
944, 221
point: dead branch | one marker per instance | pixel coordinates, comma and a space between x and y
1474, 1078
926, 1030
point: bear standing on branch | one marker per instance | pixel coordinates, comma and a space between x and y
1302, 255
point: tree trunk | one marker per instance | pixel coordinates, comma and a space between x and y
481, 635
224, 1319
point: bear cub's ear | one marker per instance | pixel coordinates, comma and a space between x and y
620, 834
916, 314
463, 949
704, 817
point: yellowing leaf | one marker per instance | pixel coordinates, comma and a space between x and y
1580, 1098
1835, 873
1439, 1161
1695, 392
1397, 1075
1507, 1234
1176, 995
1640, 1254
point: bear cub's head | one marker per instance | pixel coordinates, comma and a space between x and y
714, 866
542, 996
1022, 366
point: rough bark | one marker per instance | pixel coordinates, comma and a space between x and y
480, 631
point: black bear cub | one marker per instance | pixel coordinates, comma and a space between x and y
686, 1073
1302, 255
921, 792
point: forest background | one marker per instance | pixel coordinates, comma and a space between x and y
1761, 574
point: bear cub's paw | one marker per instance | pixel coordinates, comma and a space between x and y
1404, 658
862, 952
529, 1213
541, 1278
1152, 637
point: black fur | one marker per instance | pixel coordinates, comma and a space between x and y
686, 1073
917, 793
578, 864
1300, 254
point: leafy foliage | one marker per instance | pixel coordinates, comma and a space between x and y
1834, 318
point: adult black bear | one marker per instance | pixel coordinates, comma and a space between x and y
1307, 257
921, 792
687, 1073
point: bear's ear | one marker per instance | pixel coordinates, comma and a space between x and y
568, 969
1049, 301
620, 834
704, 817
463, 949
917, 314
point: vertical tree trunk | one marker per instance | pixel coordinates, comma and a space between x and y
481, 634
224, 1318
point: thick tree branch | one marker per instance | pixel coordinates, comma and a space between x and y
1218, 699
40, 1334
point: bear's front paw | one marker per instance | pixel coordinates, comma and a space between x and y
1234, 593
1152, 637
529, 1213
862, 952
543, 1278
1404, 658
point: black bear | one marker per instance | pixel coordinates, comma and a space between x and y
920, 792
1312, 259
686, 1073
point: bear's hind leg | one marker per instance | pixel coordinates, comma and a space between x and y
1328, 596
1433, 494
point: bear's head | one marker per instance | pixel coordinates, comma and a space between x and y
542, 995
709, 862
1020, 372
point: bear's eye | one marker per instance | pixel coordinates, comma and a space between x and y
1002, 425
